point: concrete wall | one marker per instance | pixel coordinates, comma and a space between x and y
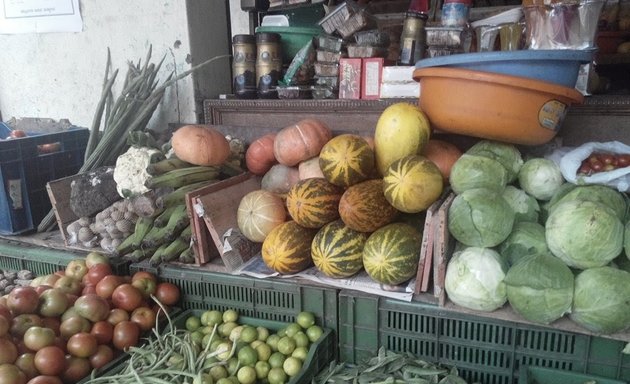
60, 75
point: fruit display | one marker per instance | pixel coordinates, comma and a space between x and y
603, 162
63, 325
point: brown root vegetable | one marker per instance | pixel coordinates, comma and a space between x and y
200, 145
300, 141
259, 157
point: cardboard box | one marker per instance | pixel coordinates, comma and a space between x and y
371, 72
350, 78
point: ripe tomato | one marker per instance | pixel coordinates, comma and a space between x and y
10, 374
126, 334
144, 317
106, 286
104, 354
103, 331
126, 297
50, 361
96, 273
117, 315
82, 344
143, 275
36, 338
167, 293
26, 363
8, 351
623, 160
42, 379
76, 369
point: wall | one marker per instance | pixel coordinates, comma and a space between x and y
60, 75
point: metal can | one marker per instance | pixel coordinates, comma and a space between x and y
413, 38
268, 64
244, 66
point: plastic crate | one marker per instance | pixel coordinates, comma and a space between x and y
15, 255
267, 299
539, 375
25, 170
320, 353
489, 351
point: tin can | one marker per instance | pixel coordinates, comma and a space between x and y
268, 64
455, 13
244, 66
413, 38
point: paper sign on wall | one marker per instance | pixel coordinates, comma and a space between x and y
40, 16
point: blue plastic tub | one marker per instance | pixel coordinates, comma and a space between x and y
559, 66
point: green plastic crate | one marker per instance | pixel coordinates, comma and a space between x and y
320, 354
268, 299
488, 351
539, 375
15, 255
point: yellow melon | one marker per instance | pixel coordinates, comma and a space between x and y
412, 184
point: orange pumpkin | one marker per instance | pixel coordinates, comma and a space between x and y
443, 154
259, 157
300, 141
200, 145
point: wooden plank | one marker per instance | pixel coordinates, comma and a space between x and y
59, 195
442, 250
426, 250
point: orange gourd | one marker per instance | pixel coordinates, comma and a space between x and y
259, 157
200, 145
300, 141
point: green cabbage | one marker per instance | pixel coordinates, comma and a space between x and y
540, 178
474, 279
559, 194
540, 288
626, 240
525, 206
506, 154
600, 300
584, 234
471, 171
480, 218
598, 194
527, 238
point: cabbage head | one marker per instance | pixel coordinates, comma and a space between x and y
584, 234
546, 206
540, 178
480, 218
626, 240
471, 171
525, 207
540, 288
600, 300
527, 238
506, 154
474, 279
598, 194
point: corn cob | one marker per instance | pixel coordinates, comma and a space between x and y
187, 256
177, 196
184, 176
167, 165
176, 223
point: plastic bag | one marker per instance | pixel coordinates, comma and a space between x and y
570, 163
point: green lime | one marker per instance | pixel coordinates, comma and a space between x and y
272, 341
193, 323
203, 378
276, 360
249, 334
233, 379
206, 339
300, 353
218, 372
247, 356
196, 337
215, 343
282, 332
246, 375
263, 333
292, 366
264, 351
277, 376
211, 317
224, 380
206, 329
301, 340
224, 350
314, 332
286, 345
292, 329
262, 369
254, 344
235, 333
232, 366
230, 315
210, 362
305, 319
226, 328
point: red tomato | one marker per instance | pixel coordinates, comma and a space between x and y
96, 273
50, 361
597, 166
26, 363
144, 317
36, 338
82, 344
23, 300
623, 160
5, 325
126, 297
42, 379
126, 334
10, 374
106, 286
8, 351
104, 354
167, 293
117, 315
103, 331
76, 369
143, 275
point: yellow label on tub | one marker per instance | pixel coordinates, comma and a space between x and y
551, 114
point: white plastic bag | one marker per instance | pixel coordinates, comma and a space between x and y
570, 163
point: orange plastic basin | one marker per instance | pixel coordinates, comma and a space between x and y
493, 106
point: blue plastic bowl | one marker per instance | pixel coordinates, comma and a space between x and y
558, 66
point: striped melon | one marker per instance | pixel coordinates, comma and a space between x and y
346, 160
312, 203
287, 248
337, 250
391, 253
363, 206
412, 184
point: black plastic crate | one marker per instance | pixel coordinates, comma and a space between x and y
26, 167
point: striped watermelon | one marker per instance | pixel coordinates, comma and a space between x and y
413, 183
287, 248
346, 160
363, 206
391, 253
337, 250
312, 203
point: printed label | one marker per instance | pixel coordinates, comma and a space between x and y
552, 114
15, 193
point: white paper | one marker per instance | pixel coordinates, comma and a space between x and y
40, 16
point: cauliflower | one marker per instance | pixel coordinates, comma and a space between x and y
130, 173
